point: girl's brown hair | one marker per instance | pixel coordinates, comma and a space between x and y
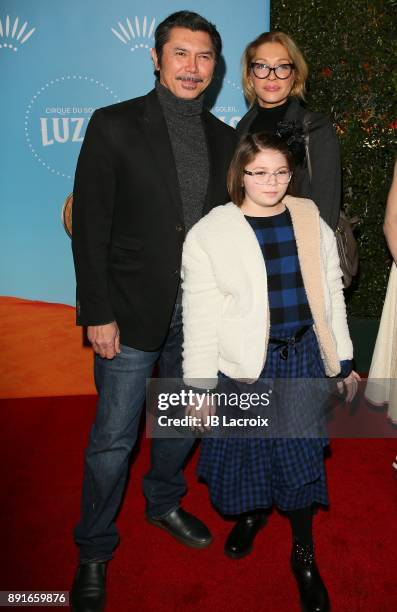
247, 149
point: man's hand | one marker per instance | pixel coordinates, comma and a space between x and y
201, 409
105, 339
350, 385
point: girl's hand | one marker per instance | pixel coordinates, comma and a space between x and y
200, 411
349, 385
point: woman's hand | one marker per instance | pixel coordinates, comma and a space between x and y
349, 385
201, 410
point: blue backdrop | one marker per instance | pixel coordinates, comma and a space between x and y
59, 61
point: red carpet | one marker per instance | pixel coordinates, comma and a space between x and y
41, 451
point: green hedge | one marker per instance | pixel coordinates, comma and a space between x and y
351, 49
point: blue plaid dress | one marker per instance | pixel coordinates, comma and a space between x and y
247, 474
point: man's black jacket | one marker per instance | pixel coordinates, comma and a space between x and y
127, 217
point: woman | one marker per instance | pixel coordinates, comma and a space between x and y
263, 299
274, 78
390, 224
382, 378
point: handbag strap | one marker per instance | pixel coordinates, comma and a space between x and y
307, 142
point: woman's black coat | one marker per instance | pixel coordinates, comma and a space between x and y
324, 188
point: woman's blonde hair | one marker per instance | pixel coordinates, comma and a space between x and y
301, 70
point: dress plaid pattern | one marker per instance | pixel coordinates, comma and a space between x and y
287, 295
247, 474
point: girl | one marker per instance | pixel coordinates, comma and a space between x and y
263, 299
274, 80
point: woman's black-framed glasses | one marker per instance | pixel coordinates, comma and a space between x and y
261, 177
262, 71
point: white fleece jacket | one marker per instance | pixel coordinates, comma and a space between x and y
225, 300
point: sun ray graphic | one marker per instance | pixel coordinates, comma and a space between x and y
15, 27
10, 35
135, 32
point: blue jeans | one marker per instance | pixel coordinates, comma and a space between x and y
121, 386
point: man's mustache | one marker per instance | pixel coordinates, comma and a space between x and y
189, 78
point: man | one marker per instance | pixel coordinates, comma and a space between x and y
149, 168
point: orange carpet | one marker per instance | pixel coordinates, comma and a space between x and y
42, 351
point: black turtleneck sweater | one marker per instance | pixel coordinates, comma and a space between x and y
267, 118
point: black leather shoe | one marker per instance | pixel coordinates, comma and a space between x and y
184, 527
313, 592
88, 590
241, 538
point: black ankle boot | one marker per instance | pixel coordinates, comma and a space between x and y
314, 596
88, 590
241, 538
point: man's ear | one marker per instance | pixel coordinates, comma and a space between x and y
155, 59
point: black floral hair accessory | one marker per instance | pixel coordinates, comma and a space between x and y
293, 135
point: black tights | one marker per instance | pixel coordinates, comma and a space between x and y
301, 524
301, 521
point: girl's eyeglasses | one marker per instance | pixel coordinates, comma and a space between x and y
261, 177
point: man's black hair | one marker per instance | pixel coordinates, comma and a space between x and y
190, 21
